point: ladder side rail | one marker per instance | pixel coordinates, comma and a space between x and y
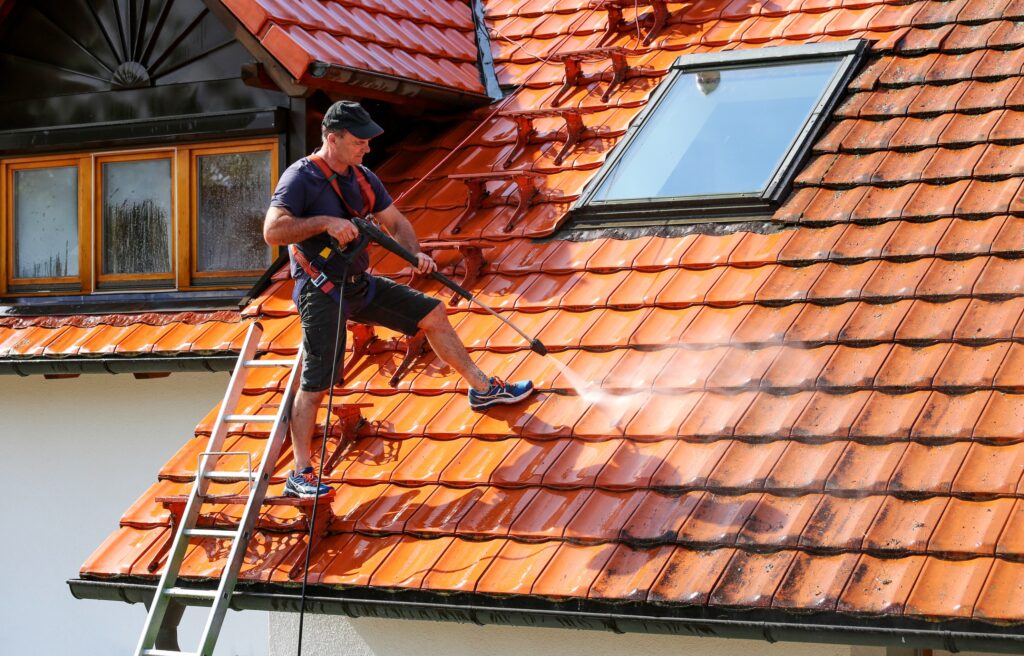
231, 396
158, 606
239, 546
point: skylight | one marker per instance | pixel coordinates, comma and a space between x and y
723, 135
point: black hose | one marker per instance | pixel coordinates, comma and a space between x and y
339, 349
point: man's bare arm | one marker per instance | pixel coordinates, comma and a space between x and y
402, 231
281, 228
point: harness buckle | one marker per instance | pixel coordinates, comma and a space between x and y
319, 280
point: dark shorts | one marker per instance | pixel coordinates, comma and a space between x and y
373, 300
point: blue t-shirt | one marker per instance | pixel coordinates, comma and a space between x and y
304, 191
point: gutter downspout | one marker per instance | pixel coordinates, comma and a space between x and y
771, 631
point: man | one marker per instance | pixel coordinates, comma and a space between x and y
313, 201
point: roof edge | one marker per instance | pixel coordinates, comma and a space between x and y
962, 635
118, 365
384, 86
484, 56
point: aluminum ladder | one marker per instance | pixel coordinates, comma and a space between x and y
220, 599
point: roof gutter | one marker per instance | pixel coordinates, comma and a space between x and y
117, 365
562, 616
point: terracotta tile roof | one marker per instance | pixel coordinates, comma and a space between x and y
430, 42
52, 339
823, 418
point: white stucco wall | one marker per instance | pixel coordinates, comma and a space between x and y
342, 636
77, 453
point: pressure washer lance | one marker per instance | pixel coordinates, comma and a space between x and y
376, 234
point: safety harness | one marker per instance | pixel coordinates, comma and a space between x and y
314, 265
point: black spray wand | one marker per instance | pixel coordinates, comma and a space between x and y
374, 233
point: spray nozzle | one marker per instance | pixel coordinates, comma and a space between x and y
537, 347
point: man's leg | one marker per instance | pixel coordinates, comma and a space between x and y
447, 345
304, 409
318, 314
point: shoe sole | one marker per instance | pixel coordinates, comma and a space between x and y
502, 401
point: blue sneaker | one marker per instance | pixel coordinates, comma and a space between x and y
500, 392
304, 485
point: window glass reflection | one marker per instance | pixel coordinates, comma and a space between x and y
718, 132
137, 217
46, 222
234, 190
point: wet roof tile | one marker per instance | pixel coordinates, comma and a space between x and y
814, 582
777, 522
903, 526
865, 467
888, 416
989, 469
750, 579
630, 573
689, 576
928, 469
658, 517
516, 567
950, 416
771, 414
872, 323
1001, 414
717, 519
911, 366
880, 585
744, 465
839, 523
688, 465
970, 527
572, 570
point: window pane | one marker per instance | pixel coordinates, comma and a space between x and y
137, 217
46, 222
234, 191
718, 132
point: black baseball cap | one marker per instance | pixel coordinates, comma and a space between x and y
350, 115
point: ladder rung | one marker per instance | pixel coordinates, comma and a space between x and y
166, 652
211, 533
230, 477
191, 592
268, 419
269, 363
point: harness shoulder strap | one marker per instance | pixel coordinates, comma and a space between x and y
369, 197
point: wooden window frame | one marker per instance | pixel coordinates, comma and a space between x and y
97, 217
184, 194
270, 146
8, 279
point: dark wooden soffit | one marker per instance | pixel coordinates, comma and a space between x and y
77, 63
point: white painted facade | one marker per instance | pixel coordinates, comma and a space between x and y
78, 452
342, 636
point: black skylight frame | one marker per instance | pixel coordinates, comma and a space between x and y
725, 207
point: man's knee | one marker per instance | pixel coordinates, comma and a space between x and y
436, 319
305, 399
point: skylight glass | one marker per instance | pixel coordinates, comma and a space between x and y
719, 132
725, 131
